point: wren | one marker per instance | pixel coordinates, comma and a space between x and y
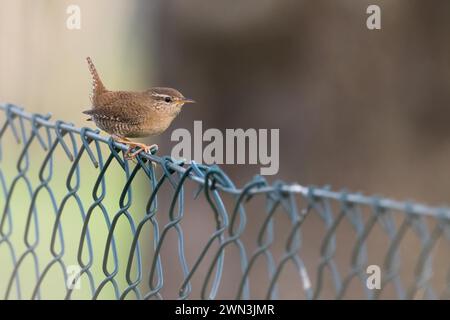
129, 114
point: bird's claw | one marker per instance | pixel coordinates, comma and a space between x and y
147, 149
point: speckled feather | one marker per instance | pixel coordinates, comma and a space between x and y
131, 114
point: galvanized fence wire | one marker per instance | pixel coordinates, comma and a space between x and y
362, 213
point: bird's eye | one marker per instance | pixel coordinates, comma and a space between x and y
167, 99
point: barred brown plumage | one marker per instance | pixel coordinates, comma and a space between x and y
128, 114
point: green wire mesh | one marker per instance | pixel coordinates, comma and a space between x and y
159, 228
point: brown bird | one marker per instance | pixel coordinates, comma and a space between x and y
127, 114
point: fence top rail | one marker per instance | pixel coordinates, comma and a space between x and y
381, 203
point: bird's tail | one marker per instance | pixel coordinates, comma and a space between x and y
97, 84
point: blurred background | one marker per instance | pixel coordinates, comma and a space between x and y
357, 109
366, 110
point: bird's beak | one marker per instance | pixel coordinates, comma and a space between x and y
186, 100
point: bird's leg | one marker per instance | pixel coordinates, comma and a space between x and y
123, 140
132, 145
120, 139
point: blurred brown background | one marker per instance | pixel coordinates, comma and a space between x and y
357, 109
365, 110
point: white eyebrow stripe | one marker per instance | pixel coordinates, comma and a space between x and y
160, 95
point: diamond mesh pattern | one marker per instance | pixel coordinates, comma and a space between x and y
159, 228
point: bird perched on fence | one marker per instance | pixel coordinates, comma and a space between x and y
128, 114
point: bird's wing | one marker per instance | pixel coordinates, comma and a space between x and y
121, 108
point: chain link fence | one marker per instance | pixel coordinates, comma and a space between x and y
77, 221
